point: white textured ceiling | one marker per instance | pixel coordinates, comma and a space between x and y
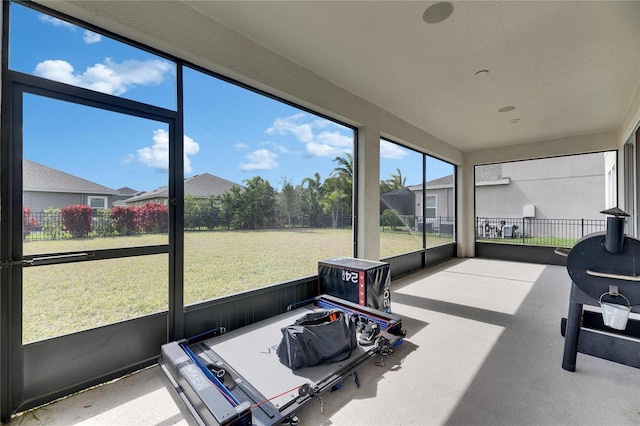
569, 67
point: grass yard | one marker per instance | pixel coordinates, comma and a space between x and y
533, 241
60, 299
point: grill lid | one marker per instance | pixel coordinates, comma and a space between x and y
606, 259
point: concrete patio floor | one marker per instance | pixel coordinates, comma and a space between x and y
483, 347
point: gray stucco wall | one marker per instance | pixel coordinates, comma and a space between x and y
40, 201
570, 187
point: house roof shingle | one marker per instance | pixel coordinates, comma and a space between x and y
40, 178
199, 186
127, 191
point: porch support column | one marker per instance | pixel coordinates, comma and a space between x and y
466, 209
367, 219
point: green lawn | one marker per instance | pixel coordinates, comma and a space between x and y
533, 241
60, 299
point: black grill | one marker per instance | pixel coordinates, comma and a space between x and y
603, 265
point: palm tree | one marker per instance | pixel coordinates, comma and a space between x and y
396, 180
344, 174
313, 195
345, 166
331, 203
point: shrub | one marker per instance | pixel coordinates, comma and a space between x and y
390, 217
153, 218
28, 222
103, 225
52, 226
77, 220
124, 220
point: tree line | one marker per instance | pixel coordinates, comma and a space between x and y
314, 203
258, 205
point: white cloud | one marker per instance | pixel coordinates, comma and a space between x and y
324, 150
336, 139
294, 125
157, 155
240, 146
56, 22
278, 147
328, 143
90, 37
391, 150
262, 159
108, 77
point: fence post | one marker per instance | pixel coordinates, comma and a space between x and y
582, 227
522, 233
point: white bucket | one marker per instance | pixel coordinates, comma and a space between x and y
615, 315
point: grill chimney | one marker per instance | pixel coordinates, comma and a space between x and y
614, 237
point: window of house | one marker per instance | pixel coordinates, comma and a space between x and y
268, 189
514, 203
411, 186
97, 202
611, 186
58, 169
430, 206
67, 53
77, 146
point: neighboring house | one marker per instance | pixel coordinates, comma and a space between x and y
401, 200
438, 200
439, 205
44, 187
124, 194
571, 187
199, 186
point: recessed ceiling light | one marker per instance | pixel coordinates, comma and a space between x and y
481, 73
507, 108
437, 12
514, 120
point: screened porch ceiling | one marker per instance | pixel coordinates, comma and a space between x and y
568, 68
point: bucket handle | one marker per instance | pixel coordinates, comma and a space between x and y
618, 295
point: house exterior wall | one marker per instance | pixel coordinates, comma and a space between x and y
571, 187
39, 201
444, 202
445, 206
158, 200
611, 179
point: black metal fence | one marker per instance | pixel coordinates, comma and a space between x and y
40, 226
434, 226
539, 232
441, 225
531, 231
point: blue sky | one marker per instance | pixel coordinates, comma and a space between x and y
230, 132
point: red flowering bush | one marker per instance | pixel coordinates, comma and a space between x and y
124, 219
153, 218
28, 222
77, 220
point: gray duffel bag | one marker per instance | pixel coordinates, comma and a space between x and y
318, 337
